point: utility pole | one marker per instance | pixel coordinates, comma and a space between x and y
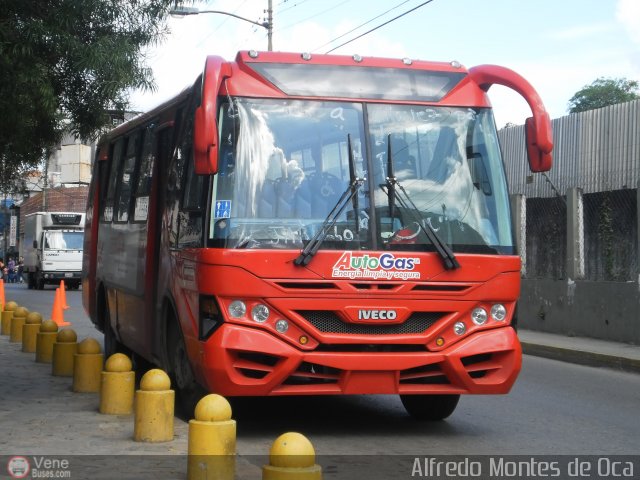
270, 26
45, 184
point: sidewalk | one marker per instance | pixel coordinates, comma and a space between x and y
585, 351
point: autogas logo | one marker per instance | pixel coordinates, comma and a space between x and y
384, 266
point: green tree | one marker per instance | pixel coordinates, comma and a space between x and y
63, 64
603, 92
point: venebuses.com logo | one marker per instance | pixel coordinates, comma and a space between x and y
38, 467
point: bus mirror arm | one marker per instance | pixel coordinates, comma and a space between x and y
205, 128
538, 134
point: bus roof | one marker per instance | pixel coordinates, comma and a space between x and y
303, 75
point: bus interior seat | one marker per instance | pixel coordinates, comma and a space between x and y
318, 194
404, 163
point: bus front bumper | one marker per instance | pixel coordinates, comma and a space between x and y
239, 361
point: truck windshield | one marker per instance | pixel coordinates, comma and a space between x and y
284, 164
58, 240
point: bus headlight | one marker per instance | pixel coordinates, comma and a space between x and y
459, 328
260, 313
479, 316
282, 326
237, 309
498, 312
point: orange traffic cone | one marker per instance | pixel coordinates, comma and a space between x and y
2, 299
63, 296
57, 312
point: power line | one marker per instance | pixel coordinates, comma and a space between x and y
380, 26
359, 26
291, 6
313, 16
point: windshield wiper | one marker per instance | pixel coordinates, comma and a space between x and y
446, 254
351, 193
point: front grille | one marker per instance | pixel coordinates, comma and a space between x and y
254, 365
424, 375
312, 374
370, 348
327, 321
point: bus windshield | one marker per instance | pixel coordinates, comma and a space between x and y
284, 164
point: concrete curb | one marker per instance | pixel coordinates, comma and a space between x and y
581, 357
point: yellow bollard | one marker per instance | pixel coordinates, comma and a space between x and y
7, 315
154, 405
87, 365
64, 348
19, 317
292, 457
212, 440
30, 331
44, 341
117, 386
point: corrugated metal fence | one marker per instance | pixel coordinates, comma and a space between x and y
598, 152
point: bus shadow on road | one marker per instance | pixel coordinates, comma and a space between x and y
366, 414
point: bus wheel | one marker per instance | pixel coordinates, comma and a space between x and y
430, 407
188, 391
111, 343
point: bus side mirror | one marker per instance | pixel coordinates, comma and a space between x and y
539, 161
205, 126
539, 137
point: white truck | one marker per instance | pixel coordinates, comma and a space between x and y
52, 250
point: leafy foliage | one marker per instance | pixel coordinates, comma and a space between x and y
602, 93
64, 63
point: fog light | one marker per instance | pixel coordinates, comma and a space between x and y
260, 313
498, 312
459, 328
237, 309
282, 326
479, 316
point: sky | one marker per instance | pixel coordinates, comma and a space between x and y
559, 46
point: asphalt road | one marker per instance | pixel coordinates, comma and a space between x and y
555, 408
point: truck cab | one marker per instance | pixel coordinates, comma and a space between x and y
53, 248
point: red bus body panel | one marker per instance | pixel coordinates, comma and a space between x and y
486, 360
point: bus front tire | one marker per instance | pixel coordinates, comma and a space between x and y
430, 407
111, 343
188, 391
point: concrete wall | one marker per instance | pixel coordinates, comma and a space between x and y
604, 310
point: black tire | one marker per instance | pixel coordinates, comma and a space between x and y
111, 343
430, 407
188, 391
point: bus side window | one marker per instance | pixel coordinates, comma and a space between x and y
143, 187
109, 192
190, 216
126, 178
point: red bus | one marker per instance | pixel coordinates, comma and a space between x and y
298, 224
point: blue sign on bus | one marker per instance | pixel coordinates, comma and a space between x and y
223, 209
